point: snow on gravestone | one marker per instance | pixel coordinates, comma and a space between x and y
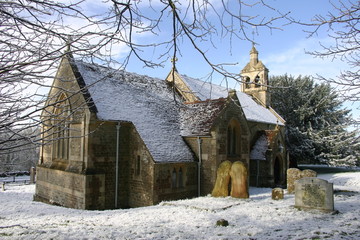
314, 193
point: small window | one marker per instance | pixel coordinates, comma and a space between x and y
247, 82
174, 179
181, 184
257, 81
138, 166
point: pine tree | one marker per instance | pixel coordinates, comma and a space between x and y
316, 121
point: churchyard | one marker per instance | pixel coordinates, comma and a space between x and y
257, 217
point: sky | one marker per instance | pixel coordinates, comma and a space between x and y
282, 50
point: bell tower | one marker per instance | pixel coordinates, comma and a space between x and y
254, 78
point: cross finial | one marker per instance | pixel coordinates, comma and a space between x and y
173, 61
253, 36
68, 43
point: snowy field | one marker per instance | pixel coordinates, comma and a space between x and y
256, 218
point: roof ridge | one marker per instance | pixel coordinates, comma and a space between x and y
207, 101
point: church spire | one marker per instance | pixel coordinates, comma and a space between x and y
254, 55
255, 78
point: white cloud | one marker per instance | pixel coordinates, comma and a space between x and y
296, 61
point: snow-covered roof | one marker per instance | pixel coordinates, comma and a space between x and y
146, 102
253, 111
198, 118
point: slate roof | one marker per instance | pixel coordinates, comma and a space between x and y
198, 118
253, 111
146, 102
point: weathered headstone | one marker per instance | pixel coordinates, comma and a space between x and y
221, 188
308, 173
293, 174
277, 194
314, 193
239, 182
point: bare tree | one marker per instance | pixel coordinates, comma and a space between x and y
343, 26
34, 33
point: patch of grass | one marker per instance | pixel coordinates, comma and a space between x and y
6, 234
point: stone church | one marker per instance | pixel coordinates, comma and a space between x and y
114, 139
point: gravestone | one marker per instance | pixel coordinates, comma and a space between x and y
221, 188
239, 182
294, 174
277, 194
308, 173
314, 193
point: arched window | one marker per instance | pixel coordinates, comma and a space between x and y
233, 138
257, 81
61, 121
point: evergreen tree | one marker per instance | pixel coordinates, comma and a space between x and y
316, 121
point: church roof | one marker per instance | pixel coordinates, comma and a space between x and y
197, 118
253, 111
146, 102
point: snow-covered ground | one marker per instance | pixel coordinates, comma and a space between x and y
256, 218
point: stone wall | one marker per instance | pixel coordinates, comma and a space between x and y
140, 172
175, 181
69, 189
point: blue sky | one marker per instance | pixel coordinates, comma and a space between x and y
282, 51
